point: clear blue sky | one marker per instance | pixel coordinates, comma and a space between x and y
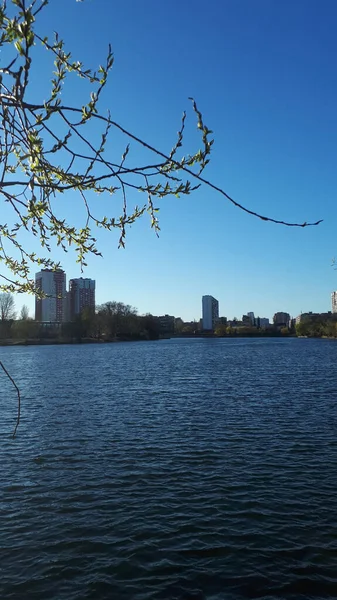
264, 74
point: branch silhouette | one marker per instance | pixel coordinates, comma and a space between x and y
46, 150
19, 397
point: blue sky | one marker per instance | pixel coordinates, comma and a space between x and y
265, 77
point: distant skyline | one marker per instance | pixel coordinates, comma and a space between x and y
90, 282
265, 77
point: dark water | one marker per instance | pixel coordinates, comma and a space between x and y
182, 469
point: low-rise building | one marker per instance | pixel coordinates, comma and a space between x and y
303, 317
281, 319
311, 316
234, 323
263, 322
166, 324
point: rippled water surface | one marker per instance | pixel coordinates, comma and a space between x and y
181, 469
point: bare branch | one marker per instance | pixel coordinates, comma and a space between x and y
19, 397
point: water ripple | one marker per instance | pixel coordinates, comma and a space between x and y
184, 469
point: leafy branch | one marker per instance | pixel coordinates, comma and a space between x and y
46, 150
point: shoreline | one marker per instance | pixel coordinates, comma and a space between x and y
70, 342
60, 341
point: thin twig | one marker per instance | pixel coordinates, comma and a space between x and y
61, 109
19, 397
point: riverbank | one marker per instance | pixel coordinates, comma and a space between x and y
71, 341
59, 341
62, 340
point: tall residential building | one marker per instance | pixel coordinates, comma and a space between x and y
210, 312
81, 295
334, 302
51, 309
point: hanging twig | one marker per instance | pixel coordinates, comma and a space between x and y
19, 397
46, 149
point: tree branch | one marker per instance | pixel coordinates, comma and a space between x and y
19, 397
44, 150
178, 166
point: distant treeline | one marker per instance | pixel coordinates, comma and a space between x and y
318, 326
110, 321
315, 326
247, 331
113, 321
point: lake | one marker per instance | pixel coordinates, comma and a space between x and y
179, 469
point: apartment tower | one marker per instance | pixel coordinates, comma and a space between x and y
334, 302
81, 295
51, 309
210, 312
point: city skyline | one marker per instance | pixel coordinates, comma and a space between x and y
185, 316
82, 292
63, 305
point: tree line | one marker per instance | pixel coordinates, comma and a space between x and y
118, 321
252, 331
318, 326
107, 322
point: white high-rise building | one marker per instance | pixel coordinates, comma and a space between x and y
210, 312
51, 309
334, 302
